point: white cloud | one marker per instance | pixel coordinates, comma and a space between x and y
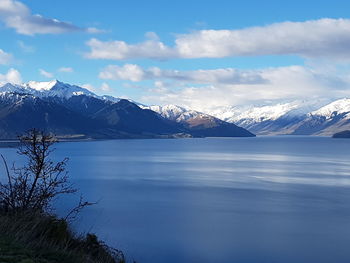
203, 89
315, 38
45, 74
66, 69
105, 87
25, 48
127, 72
119, 50
18, 16
5, 58
89, 87
217, 76
12, 76
94, 30
283, 83
323, 38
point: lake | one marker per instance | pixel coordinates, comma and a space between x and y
246, 200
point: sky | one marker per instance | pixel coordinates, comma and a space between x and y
197, 54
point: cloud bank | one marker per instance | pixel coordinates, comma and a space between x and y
5, 58
229, 76
46, 74
323, 38
18, 16
66, 70
12, 76
207, 89
120, 50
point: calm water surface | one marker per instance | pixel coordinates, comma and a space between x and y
244, 200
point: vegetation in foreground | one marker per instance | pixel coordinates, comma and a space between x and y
29, 230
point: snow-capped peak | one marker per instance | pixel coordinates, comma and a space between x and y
337, 107
56, 88
12, 88
41, 86
175, 113
53, 88
256, 114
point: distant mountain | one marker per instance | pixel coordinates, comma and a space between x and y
330, 119
74, 112
342, 134
82, 104
70, 110
297, 118
127, 116
198, 123
52, 88
20, 112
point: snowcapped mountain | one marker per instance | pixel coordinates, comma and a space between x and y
327, 120
56, 88
52, 88
300, 117
306, 117
333, 109
253, 114
174, 112
200, 123
72, 111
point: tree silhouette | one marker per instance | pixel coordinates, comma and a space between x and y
34, 185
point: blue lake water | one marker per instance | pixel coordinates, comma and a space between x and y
245, 200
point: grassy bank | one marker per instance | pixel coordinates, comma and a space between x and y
29, 231
42, 238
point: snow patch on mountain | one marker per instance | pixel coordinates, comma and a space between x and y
246, 115
41, 86
56, 88
52, 88
175, 113
13, 88
294, 117
337, 107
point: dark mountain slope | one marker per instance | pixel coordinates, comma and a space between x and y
343, 134
213, 127
67, 111
19, 113
82, 104
127, 117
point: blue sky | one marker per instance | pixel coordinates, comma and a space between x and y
160, 52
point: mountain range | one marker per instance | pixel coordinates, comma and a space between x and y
299, 117
322, 117
75, 112
71, 111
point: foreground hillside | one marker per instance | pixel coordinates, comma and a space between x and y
46, 239
29, 229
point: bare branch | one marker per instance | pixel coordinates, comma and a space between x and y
72, 215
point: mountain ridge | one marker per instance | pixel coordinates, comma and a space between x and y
70, 110
298, 117
322, 117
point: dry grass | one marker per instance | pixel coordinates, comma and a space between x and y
42, 238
